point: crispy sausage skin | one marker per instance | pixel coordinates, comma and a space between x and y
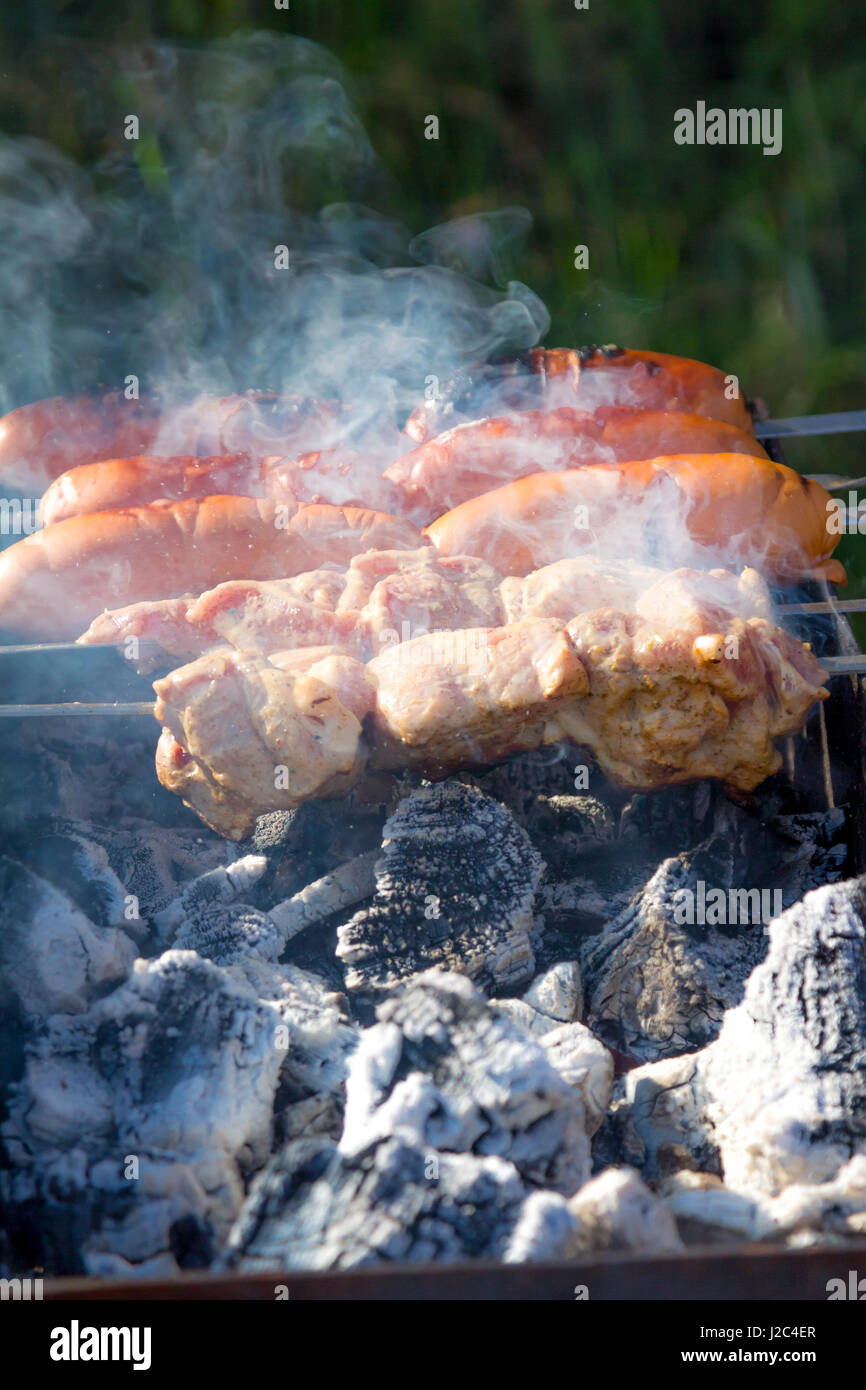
586, 378
40, 441
132, 482
483, 454
339, 476
55, 582
750, 510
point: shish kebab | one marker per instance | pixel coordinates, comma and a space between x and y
748, 462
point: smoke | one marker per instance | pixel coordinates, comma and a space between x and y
162, 261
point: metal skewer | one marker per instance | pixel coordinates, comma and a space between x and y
44, 711
838, 422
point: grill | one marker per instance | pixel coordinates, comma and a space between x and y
825, 767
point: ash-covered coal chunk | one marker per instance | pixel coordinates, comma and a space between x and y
462, 1138
118, 874
183, 1070
314, 1208
657, 986
443, 1068
227, 932
661, 975
308, 842
53, 959
455, 888
781, 1094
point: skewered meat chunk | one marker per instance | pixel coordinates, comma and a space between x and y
240, 733
383, 597
545, 378
696, 684
748, 510
380, 598
474, 457
53, 583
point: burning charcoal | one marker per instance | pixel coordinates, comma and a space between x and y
53, 959
616, 1211
708, 1212
346, 886
545, 1230
149, 861
86, 770
781, 1094
586, 1065
540, 776
443, 1071
455, 887
558, 992
311, 841
217, 887
179, 1069
317, 1208
226, 932
78, 866
656, 987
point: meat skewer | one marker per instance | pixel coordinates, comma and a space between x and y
747, 509
678, 688
473, 458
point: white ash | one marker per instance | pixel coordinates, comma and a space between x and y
708, 1212
455, 888
545, 1230
617, 1211
347, 885
558, 992
586, 1064
316, 1208
224, 884
53, 959
102, 866
443, 1072
179, 1068
780, 1097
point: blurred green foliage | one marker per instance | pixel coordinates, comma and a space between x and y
749, 261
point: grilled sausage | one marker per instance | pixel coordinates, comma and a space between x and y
55, 582
40, 441
586, 378
482, 454
342, 477
742, 509
132, 482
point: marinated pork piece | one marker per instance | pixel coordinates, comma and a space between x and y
241, 736
684, 689
379, 599
457, 699
575, 585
